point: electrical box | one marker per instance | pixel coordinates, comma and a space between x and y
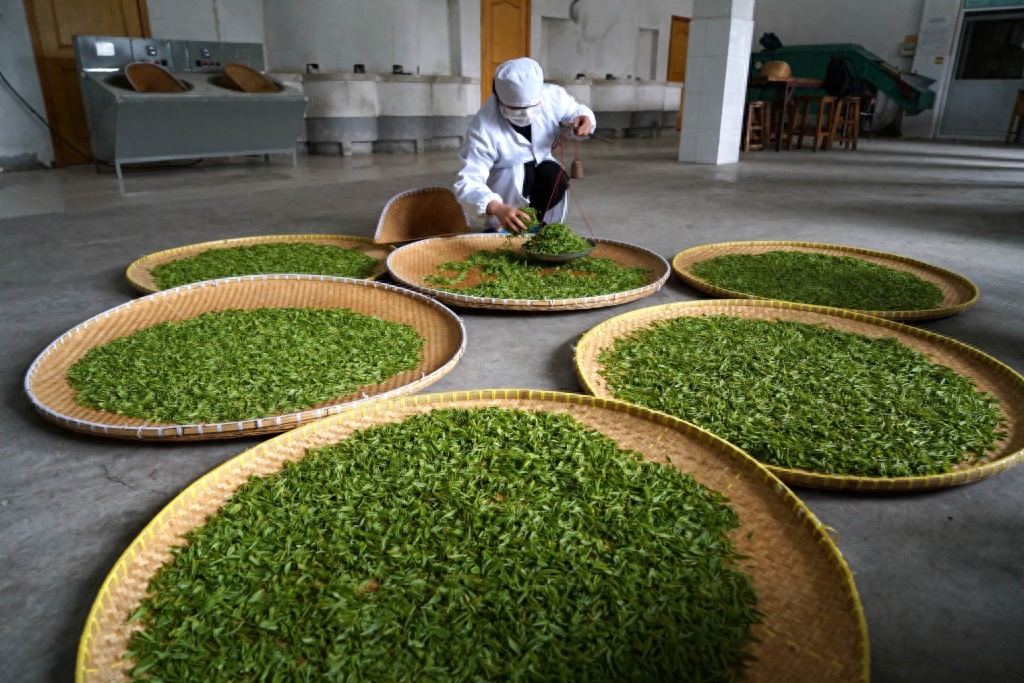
908, 47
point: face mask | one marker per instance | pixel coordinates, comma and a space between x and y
521, 117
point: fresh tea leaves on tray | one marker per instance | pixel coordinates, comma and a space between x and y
307, 258
238, 365
802, 396
820, 279
457, 545
509, 274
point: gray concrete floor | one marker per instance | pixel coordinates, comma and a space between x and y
940, 574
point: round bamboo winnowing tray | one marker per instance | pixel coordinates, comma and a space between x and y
411, 263
813, 628
420, 213
987, 373
140, 273
53, 397
958, 293
247, 79
153, 78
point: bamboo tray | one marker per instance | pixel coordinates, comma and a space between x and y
987, 373
53, 397
958, 293
409, 264
814, 628
153, 78
247, 79
140, 272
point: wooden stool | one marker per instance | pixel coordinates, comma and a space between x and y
820, 129
847, 123
757, 125
1016, 119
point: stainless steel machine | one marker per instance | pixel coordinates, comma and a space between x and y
208, 119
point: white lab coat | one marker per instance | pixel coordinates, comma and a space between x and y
493, 153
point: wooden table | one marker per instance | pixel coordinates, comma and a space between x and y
784, 89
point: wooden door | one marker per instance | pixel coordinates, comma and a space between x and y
504, 35
678, 43
52, 24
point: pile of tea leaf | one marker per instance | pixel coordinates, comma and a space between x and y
556, 239
820, 279
533, 221
242, 364
510, 274
307, 258
459, 545
802, 396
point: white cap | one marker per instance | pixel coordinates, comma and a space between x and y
518, 82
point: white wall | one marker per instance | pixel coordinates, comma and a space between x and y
435, 55
878, 26
416, 34
441, 37
239, 21
602, 37
24, 140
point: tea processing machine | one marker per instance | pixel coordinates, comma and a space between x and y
205, 119
909, 91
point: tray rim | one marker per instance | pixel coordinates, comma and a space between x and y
782, 495
118, 426
145, 264
806, 478
820, 247
599, 301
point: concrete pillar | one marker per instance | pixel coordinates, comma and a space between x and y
717, 66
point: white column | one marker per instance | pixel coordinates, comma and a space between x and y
717, 66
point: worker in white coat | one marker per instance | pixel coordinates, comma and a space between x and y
506, 158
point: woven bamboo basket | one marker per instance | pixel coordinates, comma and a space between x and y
247, 79
958, 293
813, 629
411, 263
776, 70
140, 272
147, 77
987, 373
53, 397
421, 213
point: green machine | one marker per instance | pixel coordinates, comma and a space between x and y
910, 92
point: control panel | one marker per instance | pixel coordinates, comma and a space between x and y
210, 57
102, 53
113, 53
160, 52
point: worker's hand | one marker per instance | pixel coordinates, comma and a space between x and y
581, 126
509, 217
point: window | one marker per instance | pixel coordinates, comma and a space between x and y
992, 46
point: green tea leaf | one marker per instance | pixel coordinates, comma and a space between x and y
821, 280
809, 397
554, 239
510, 274
457, 545
307, 258
242, 364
